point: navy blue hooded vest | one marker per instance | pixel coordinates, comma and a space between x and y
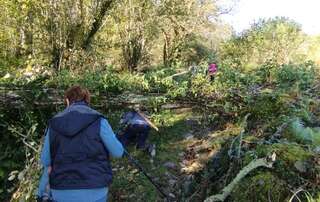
78, 155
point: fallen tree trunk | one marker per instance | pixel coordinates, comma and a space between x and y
262, 162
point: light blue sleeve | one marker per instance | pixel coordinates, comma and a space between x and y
44, 182
45, 154
46, 162
110, 140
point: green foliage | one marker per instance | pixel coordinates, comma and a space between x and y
312, 199
302, 75
23, 127
160, 80
287, 155
271, 94
262, 72
268, 186
234, 78
129, 34
274, 40
200, 86
305, 135
266, 106
196, 50
107, 81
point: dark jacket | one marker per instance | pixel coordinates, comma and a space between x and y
79, 157
133, 118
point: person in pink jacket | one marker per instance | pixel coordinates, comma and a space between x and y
212, 70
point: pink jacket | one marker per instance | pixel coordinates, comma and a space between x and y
212, 69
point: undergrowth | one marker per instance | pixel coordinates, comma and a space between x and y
272, 95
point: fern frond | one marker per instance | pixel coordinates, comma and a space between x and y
297, 126
301, 133
316, 138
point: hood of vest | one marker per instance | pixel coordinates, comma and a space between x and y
74, 119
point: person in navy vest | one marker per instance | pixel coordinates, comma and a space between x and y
136, 130
75, 155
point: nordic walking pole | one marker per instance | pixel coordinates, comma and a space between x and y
135, 162
148, 121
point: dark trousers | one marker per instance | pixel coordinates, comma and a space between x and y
211, 77
136, 134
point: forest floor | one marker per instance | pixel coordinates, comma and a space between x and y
192, 162
198, 156
172, 167
184, 146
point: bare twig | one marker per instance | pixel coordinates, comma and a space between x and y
24, 137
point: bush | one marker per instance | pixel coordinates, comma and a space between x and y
302, 75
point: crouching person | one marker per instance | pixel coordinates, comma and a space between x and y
136, 128
75, 155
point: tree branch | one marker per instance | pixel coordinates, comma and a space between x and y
97, 23
262, 162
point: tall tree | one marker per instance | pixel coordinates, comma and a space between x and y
70, 27
135, 26
97, 22
275, 39
179, 20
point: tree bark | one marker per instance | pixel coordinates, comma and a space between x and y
29, 33
97, 23
57, 38
165, 48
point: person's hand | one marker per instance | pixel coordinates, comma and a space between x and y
39, 199
42, 199
121, 132
49, 169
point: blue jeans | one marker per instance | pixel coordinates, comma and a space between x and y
104, 199
81, 195
137, 134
